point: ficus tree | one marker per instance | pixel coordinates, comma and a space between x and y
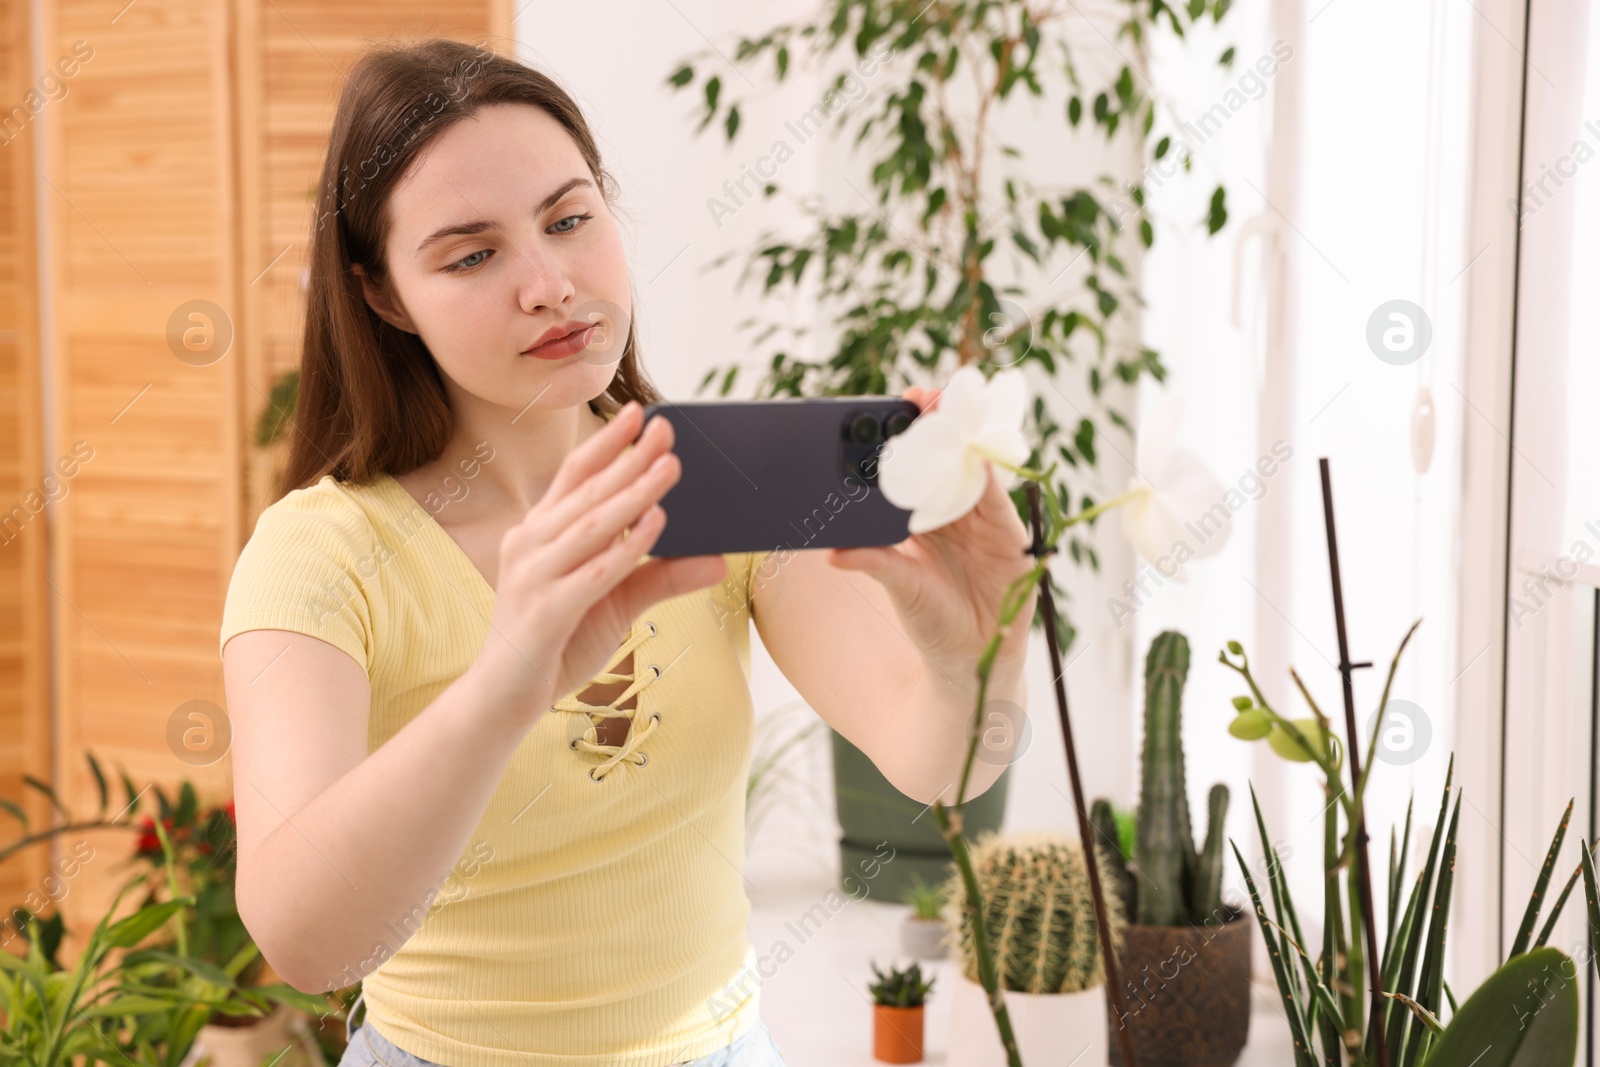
932, 267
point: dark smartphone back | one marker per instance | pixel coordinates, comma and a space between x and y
765, 474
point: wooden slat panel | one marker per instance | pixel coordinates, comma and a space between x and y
24, 705
143, 215
305, 48
181, 167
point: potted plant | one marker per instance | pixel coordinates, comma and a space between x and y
217, 996
1185, 964
1046, 948
203, 866
107, 1007
1526, 1012
897, 1002
872, 811
922, 934
121, 1001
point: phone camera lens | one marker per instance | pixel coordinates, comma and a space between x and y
896, 423
864, 430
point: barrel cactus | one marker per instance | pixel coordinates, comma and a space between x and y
1037, 910
1177, 884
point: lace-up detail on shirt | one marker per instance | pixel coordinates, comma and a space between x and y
639, 681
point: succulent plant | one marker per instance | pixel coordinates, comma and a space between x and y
1177, 882
926, 900
1038, 911
900, 989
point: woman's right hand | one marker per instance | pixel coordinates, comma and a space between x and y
570, 585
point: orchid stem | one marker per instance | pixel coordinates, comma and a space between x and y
1090, 514
950, 818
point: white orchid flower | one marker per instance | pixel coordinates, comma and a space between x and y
935, 469
1171, 496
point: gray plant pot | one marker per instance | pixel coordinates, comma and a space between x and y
923, 939
873, 813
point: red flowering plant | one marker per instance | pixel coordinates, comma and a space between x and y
144, 986
205, 861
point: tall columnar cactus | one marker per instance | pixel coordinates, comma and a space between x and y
1038, 912
1177, 883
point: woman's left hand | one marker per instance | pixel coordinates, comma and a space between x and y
947, 584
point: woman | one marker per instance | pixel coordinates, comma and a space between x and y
520, 872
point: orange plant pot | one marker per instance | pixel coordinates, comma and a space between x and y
897, 1034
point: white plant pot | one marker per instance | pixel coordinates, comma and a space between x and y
1052, 1030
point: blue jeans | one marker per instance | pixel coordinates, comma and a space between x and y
368, 1048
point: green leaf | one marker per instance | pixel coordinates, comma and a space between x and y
1592, 894
1413, 930
132, 793
199, 968
1524, 1015
1298, 1028
1430, 982
1074, 110
1555, 912
99, 779
50, 794
1217, 215
16, 811
1541, 886
134, 1004
1226, 59
1025, 243
681, 77
141, 924
286, 994
1084, 440
731, 123
1125, 86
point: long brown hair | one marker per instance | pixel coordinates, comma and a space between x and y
370, 399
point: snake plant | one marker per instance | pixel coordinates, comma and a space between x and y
1524, 1015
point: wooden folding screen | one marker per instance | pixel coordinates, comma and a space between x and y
177, 179
24, 662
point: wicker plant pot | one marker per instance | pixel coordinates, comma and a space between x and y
1186, 990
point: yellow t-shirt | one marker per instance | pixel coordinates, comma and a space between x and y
591, 920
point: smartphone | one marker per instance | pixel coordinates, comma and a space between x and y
767, 474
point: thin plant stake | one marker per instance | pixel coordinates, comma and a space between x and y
1370, 918
1108, 953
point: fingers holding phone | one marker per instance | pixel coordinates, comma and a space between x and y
571, 581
